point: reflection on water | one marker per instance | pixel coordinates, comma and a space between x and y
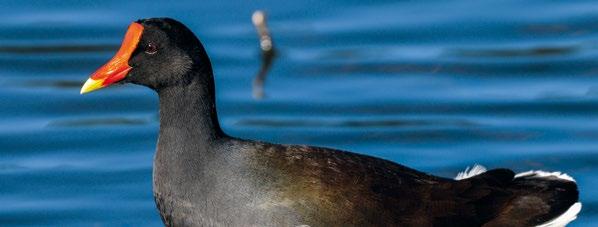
268, 52
437, 86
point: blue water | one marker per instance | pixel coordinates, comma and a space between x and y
435, 85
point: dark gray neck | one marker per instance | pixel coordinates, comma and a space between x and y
189, 136
188, 119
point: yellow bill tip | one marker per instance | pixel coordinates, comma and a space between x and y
91, 85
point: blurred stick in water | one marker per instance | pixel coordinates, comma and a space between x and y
268, 52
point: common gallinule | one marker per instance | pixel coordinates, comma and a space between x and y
203, 177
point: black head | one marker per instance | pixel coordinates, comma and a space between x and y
157, 53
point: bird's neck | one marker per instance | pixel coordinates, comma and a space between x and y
188, 139
188, 119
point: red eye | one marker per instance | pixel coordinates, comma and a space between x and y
151, 48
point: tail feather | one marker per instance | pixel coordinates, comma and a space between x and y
565, 218
537, 198
542, 174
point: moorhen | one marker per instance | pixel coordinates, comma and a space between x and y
203, 177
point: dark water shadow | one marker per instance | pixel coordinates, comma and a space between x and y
561, 68
98, 122
374, 123
540, 51
51, 49
52, 84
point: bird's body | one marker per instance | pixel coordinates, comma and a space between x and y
203, 177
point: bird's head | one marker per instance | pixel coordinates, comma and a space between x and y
157, 53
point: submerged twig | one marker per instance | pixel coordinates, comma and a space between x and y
268, 52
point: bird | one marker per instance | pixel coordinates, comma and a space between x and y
205, 177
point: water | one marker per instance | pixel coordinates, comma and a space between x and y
435, 85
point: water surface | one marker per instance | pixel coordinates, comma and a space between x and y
435, 85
